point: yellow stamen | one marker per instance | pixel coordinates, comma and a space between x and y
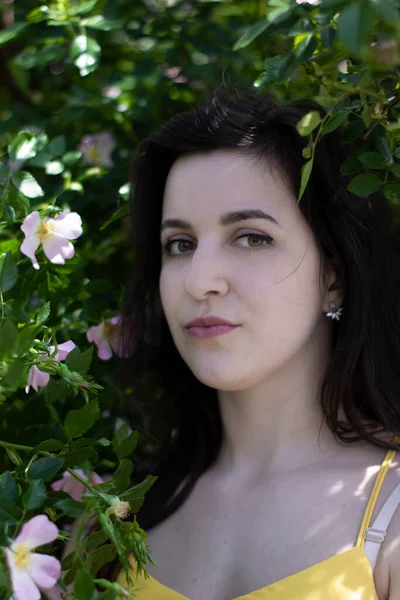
45, 229
21, 557
94, 154
109, 330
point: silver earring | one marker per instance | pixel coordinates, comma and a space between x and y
334, 315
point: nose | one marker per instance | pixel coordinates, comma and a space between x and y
206, 274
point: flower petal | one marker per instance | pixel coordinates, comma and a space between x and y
115, 320
44, 570
68, 225
96, 334
29, 247
31, 224
37, 531
95, 478
75, 488
22, 585
53, 593
37, 378
104, 350
57, 249
64, 349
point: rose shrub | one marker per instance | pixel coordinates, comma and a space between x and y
82, 81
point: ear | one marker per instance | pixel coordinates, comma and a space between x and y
334, 290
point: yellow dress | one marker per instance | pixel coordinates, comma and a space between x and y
347, 575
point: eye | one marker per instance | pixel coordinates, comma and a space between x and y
265, 239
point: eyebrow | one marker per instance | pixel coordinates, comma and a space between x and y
225, 219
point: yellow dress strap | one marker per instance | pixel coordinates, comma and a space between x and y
375, 493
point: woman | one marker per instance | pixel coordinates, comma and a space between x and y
279, 449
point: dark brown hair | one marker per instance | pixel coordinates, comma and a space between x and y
181, 426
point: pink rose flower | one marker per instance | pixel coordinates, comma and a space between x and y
108, 339
31, 572
38, 378
97, 148
53, 233
72, 486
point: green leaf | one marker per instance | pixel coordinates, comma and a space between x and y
287, 67
392, 192
18, 201
305, 176
9, 511
328, 35
99, 22
56, 146
372, 160
395, 169
8, 486
75, 457
119, 214
102, 556
334, 122
355, 25
38, 14
128, 445
353, 130
8, 272
79, 362
43, 314
305, 48
35, 495
49, 446
54, 167
70, 158
26, 145
251, 34
122, 432
122, 476
95, 539
27, 184
26, 336
80, 421
12, 32
84, 585
271, 72
8, 213
364, 184
350, 165
4, 173
138, 491
45, 468
12, 453
82, 7
387, 10
85, 54
308, 123
71, 507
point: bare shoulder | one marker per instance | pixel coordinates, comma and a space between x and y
387, 570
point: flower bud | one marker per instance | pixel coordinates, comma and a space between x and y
121, 508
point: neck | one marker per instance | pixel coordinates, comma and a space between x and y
277, 426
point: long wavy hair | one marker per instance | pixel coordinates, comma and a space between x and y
179, 418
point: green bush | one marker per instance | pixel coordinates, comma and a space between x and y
82, 82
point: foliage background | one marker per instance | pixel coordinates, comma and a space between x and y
76, 68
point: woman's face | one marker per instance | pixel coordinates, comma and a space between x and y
268, 282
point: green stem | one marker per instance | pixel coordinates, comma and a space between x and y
2, 305
84, 481
70, 471
15, 446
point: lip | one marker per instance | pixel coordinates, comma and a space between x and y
214, 330
209, 321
